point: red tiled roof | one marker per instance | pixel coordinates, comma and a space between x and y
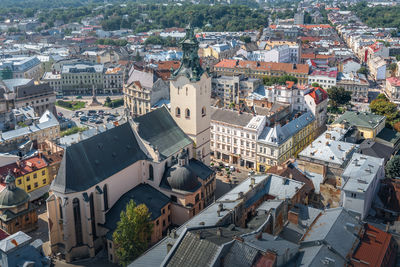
318, 94
331, 74
167, 65
394, 81
263, 66
373, 246
25, 166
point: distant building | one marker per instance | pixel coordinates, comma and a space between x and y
392, 89
20, 67
143, 90
254, 69
299, 18
26, 92
326, 79
356, 83
232, 89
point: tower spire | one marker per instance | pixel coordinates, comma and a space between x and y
190, 62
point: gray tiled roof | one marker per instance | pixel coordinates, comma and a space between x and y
230, 116
360, 119
200, 254
140, 194
160, 130
240, 255
92, 160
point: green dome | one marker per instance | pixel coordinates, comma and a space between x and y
12, 196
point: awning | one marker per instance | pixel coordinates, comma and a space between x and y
35, 194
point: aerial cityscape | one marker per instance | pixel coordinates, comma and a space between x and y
199, 133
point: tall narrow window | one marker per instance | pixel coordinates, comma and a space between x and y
60, 207
187, 113
77, 221
92, 216
105, 197
151, 172
177, 112
203, 111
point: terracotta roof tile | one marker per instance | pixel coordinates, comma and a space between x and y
263, 66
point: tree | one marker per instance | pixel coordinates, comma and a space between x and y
338, 96
314, 84
382, 96
133, 233
108, 100
138, 57
363, 70
245, 38
382, 106
392, 168
392, 67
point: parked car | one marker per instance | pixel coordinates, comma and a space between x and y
111, 119
84, 118
60, 114
99, 121
92, 120
91, 112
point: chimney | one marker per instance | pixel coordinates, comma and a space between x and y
259, 236
198, 235
253, 180
169, 246
219, 232
339, 147
293, 217
250, 186
328, 135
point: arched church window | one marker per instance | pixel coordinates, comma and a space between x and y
151, 172
77, 221
187, 113
203, 111
105, 197
177, 112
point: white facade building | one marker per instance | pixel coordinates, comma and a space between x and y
361, 182
234, 136
326, 79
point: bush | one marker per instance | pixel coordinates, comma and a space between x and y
71, 105
114, 103
73, 130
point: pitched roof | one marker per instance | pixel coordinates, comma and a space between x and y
263, 66
318, 94
92, 160
360, 119
230, 116
160, 130
394, 81
373, 246
371, 148
141, 194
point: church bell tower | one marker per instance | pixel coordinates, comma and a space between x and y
190, 95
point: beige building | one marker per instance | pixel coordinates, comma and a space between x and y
190, 97
392, 89
143, 90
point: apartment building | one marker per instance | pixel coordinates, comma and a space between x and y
231, 89
254, 69
356, 83
27, 92
234, 136
392, 89
20, 67
279, 143
81, 78
143, 90
326, 79
377, 68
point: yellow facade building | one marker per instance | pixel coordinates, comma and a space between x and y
280, 143
368, 125
31, 174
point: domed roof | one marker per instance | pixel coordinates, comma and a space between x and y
181, 178
12, 196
